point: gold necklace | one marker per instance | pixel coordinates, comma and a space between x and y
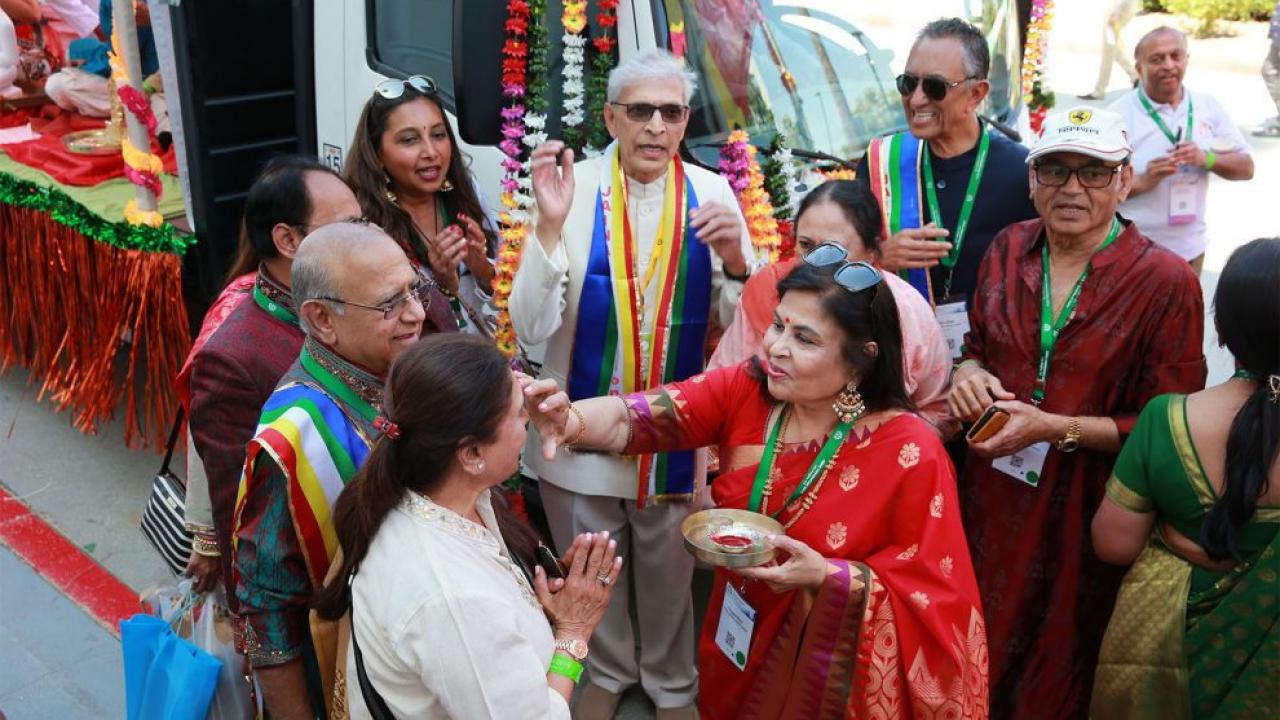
777, 452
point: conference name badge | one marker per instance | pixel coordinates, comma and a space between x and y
733, 632
1026, 465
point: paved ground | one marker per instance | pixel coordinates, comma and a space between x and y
60, 664
57, 662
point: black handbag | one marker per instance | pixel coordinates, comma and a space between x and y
164, 521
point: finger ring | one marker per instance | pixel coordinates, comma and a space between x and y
604, 579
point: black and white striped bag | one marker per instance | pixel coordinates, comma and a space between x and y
164, 519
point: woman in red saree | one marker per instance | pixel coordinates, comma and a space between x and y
875, 610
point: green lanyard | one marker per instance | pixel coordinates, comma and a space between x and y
1191, 117
829, 450
1049, 327
1245, 375
273, 308
966, 209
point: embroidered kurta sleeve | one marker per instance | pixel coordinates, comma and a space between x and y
538, 292
225, 407
472, 656
272, 582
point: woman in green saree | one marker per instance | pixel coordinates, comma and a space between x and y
1194, 504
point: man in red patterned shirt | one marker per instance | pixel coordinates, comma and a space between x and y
1079, 320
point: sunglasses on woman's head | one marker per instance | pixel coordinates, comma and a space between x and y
392, 89
852, 276
935, 88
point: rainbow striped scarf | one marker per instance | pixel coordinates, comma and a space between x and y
893, 163
611, 353
318, 432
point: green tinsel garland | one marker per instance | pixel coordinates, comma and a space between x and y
68, 212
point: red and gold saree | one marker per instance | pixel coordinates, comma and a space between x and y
896, 630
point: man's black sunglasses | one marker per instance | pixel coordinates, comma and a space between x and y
671, 113
852, 276
935, 88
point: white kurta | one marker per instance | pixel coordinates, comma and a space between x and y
544, 304
448, 625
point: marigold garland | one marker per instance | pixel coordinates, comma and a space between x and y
524, 77
739, 166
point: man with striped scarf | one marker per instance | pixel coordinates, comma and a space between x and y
360, 304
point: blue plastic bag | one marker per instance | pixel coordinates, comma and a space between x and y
165, 677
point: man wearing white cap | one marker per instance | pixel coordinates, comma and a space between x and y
1180, 138
1078, 321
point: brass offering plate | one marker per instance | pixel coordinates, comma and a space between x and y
730, 538
92, 142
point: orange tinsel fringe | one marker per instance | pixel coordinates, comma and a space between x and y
71, 308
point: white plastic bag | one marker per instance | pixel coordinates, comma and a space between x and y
214, 634
203, 620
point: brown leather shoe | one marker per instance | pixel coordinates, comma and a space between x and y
688, 712
595, 703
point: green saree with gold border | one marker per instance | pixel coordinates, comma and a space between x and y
1184, 641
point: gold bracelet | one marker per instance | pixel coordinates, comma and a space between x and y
205, 546
582, 427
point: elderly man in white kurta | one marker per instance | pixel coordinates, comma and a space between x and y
636, 254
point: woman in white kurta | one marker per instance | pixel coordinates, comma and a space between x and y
448, 623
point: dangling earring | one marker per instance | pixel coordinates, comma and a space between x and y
848, 405
386, 191
446, 186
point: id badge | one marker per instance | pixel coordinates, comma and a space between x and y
954, 319
1184, 198
733, 632
1026, 465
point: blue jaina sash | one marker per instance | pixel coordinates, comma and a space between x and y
612, 355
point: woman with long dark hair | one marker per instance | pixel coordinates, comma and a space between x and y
412, 180
1194, 504
874, 610
845, 212
445, 620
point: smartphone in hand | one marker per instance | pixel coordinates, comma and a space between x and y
988, 425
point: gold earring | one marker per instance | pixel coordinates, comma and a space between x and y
848, 405
386, 191
446, 186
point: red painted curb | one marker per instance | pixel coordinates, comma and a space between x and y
65, 565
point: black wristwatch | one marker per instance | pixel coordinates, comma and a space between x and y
737, 278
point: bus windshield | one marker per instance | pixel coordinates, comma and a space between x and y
821, 72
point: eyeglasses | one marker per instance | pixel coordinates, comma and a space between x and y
935, 88
392, 89
1090, 176
671, 113
421, 291
852, 276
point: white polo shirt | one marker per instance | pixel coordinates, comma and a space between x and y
1213, 130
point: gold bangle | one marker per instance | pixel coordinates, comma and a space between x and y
582, 427
205, 546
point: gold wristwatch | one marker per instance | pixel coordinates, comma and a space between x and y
576, 649
1071, 440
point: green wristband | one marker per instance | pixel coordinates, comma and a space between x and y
1209, 159
565, 666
